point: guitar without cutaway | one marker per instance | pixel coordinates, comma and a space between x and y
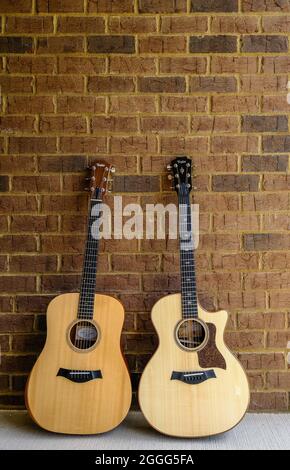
193, 386
80, 383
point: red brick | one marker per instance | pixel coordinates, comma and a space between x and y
29, 104
276, 183
29, 24
83, 144
136, 263
132, 104
16, 45
138, 65
31, 64
213, 44
17, 363
111, 124
217, 242
234, 64
62, 244
60, 45
22, 124
274, 104
235, 24
161, 84
260, 321
235, 262
59, 84
62, 124
183, 24
254, 163
11, 243
79, 24
278, 339
270, 361
59, 6
265, 5
267, 281
162, 44
17, 284
269, 401
136, 184
12, 6
266, 241
215, 124
263, 83
4, 183
278, 380
38, 263
14, 84
162, 6
110, 6
17, 164
32, 303
276, 260
235, 104
216, 84
279, 143
264, 43
245, 300
187, 145
32, 144
183, 65
81, 65
64, 203
62, 164
6, 304
133, 145
36, 184
111, 84
237, 340
18, 204
234, 144
173, 104
235, 222
278, 64
34, 224
80, 104
272, 201
165, 124
27, 343
132, 24
114, 44
276, 24
264, 123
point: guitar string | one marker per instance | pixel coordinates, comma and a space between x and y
194, 334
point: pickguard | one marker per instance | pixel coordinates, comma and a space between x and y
210, 356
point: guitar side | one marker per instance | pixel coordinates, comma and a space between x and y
191, 410
61, 405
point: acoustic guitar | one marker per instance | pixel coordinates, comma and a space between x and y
80, 383
193, 385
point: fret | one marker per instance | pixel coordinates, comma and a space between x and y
187, 262
89, 274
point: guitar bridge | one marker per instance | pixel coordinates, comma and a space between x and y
80, 376
193, 377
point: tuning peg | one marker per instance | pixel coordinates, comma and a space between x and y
113, 169
170, 177
169, 167
195, 187
89, 189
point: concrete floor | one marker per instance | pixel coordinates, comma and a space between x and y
256, 431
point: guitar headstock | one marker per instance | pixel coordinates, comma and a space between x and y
180, 172
100, 180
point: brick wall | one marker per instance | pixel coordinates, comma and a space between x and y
137, 82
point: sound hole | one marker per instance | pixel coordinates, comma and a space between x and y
191, 334
84, 335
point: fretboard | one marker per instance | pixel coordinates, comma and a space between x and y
88, 281
187, 261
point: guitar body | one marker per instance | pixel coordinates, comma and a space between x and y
195, 409
74, 402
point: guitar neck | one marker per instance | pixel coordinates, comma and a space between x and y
90, 264
187, 259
